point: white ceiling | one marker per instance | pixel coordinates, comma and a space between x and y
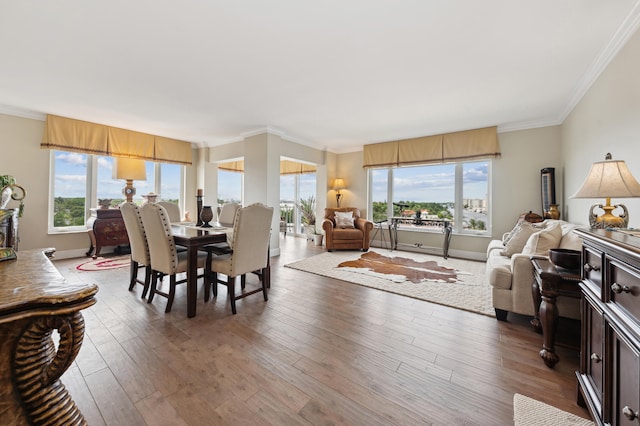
333, 74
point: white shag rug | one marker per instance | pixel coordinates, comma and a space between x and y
470, 292
529, 412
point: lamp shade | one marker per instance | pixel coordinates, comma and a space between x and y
129, 168
339, 184
609, 179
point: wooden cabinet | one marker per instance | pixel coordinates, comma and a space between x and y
609, 376
106, 228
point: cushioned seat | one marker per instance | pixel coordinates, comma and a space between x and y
345, 229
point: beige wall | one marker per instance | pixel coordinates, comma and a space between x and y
22, 157
607, 119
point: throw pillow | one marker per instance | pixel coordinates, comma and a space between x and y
511, 233
540, 242
344, 220
517, 242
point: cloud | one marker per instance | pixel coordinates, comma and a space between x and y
72, 158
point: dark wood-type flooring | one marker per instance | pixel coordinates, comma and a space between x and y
320, 351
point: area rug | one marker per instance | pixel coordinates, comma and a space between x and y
464, 286
529, 412
103, 264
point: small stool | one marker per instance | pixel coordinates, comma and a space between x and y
379, 227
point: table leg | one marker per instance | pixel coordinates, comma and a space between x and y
535, 294
192, 280
447, 240
549, 319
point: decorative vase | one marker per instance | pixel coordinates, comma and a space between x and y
5, 197
553, 212
206, 216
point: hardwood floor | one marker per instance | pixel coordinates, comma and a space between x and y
320, 351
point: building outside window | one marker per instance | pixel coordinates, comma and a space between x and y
424, 195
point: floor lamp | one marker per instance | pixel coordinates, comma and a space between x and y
129, 169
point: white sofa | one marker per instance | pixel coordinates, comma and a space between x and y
509, 268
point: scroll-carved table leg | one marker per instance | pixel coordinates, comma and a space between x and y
37, 366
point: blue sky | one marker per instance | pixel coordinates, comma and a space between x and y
71, 177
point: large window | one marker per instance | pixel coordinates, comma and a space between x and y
229, 187
424, 195
78, 181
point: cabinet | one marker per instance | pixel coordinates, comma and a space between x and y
609, 375
106, 228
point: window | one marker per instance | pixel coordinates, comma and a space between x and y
296, 189
79, 180
229, 187
455, 191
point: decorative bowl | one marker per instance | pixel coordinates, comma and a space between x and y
565, 258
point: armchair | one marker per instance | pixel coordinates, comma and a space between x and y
346, 238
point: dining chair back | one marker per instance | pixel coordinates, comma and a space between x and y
165, 258
228, 212
173, 210
249, 252
138, 242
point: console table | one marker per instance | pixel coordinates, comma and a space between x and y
549, 283
609, 375
35, 300
106, 228
445, 224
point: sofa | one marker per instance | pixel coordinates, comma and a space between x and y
509, 268
345, 229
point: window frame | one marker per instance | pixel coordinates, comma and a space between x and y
458, 197
91, 190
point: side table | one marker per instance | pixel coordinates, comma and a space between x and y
106, 228
549, 283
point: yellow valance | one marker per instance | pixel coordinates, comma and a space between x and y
287, 167
67, 134
458, 146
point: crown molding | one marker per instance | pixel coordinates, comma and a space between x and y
21, 112
626, 29
525, 125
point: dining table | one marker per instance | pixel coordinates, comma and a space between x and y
193, 238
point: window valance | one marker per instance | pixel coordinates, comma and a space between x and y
67, 134
287, 167
458, 146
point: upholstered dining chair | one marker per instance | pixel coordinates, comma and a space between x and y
226, 216
138, 242
165, 258
249, 253
173, 210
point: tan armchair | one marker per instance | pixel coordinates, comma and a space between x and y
346, 238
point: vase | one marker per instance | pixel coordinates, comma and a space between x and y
317, 239
5, 197
206, 215
553, 212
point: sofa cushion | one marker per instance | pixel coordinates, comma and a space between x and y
540, 242
347, 234
517, 242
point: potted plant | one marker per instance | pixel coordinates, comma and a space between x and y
307, 209
317, 237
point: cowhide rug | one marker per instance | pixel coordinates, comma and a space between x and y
409, 269
453, 282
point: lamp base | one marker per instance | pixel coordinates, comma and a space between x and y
129, 191
608, 219
338, 197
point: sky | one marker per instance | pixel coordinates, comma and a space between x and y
432, 183
71, 177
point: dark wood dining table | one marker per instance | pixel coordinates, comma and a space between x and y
194, 238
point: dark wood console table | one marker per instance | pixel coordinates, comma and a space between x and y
35, 300
549, 283
609, 376
106, 228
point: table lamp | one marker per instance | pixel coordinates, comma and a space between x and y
609, 179
338, 184
129, 169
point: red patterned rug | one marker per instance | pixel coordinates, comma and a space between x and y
103, 264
